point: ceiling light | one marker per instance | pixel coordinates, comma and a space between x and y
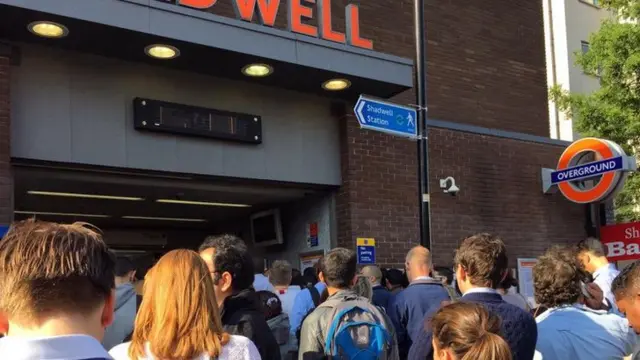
60, 214
84, 196
162, 218
336, 84
204, 203
161, 51
257, 70
48, 29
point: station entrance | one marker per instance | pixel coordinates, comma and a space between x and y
152, 213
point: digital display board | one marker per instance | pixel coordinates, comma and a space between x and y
162, 116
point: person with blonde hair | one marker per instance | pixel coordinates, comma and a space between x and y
179, 316
467, 331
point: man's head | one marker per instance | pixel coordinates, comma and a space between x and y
143, 264
480, 261
280, 273
125, 271
557, 278
591, 254
444, 273
230, 264
373, 273
55, 272
338, 269
395, 279
626, 289
418, 262
258, 265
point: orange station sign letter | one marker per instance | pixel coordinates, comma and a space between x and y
353, 28
296, 12
324, 23
197, 4
267, 10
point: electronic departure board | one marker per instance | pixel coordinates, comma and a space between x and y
162, 116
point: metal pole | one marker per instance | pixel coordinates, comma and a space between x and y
423, 148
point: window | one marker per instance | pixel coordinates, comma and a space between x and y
584, 47
595, 3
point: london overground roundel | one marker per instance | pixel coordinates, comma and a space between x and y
608, 170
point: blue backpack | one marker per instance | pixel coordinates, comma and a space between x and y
357, 331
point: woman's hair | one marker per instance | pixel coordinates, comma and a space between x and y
362, 287
271, 305
179, 315
469, 332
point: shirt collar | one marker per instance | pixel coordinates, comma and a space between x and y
484, 290
572, 307
603, 269
422, 278
68, 347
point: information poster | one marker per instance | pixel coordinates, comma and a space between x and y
366, 251
309, 260
525, 278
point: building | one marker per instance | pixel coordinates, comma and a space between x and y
567, 27
75, 141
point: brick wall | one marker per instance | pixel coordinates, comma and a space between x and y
6, 178
501, 192
485, 60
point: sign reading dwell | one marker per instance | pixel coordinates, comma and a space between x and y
298, 10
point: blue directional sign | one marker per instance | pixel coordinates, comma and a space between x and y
366, 250
588, 170
386, 117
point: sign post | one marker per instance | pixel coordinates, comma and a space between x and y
366, 250
379, 115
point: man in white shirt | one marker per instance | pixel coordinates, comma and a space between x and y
593, 257
260, 282
280, 277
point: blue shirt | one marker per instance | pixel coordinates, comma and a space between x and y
603, 277
301, 306
578, 332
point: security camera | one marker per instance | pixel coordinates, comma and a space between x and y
449, 186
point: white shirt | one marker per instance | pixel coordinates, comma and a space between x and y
68, 347
485, 290
287, 297
238, 348
603, 277
261, 282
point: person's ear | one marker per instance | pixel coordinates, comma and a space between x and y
4, 323
354, 280
461, 275
226, 281
132, 276
321, 277
108, 310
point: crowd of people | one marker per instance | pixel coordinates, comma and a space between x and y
65, 295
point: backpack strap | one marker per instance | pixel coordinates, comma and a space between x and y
315, 295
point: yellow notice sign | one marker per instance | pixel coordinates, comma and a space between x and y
366, 242
366, 250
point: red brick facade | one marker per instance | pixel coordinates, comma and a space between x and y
6, 178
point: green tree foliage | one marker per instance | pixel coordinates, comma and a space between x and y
613, 111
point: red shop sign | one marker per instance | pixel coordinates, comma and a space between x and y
621, 241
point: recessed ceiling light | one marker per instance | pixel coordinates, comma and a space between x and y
203, 203
59, 214
162, 218
48, 29
162, 51
85, 196
257, 70
336, 84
